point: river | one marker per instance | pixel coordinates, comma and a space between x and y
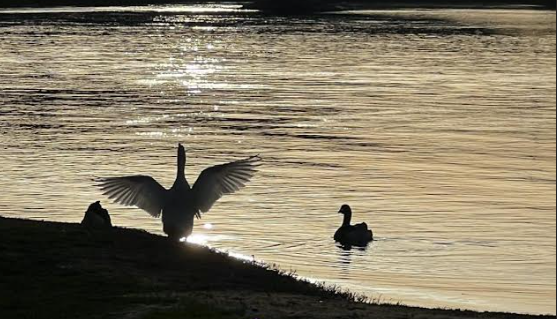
437, 126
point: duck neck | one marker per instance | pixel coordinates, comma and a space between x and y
181, 163
347, 219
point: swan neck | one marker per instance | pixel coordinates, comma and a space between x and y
347, 219
181, 163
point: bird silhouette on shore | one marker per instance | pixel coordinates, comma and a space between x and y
96, 217
352, 235
180, 204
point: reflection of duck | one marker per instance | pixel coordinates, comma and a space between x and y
352, 235
182, 203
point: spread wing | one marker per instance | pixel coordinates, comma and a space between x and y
221, 180
140, 191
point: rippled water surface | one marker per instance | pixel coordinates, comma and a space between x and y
437, 126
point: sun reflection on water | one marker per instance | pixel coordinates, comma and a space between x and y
206, 240
198, 239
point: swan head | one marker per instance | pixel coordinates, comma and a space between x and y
181, 148
345, 210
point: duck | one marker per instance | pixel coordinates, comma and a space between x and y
352, 235
182, 203
96, 217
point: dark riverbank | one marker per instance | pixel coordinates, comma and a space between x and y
301, 6
57, 270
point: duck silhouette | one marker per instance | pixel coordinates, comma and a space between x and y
352, 235
96, 217
180, 204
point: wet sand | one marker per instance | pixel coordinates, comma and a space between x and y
59, 270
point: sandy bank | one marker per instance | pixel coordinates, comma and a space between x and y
57, 270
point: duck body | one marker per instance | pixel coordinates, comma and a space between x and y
357, 235
181, 204
352, 235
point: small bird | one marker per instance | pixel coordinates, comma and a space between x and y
180, 204
96, 217
352, 235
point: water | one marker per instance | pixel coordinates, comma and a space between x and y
437, 126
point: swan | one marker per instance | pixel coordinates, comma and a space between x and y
352, 235
180, 204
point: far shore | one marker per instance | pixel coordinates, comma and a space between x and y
303, 6
61, 270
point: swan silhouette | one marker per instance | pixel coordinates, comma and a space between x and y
352, 235
180, 204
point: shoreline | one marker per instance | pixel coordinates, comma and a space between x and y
63, 270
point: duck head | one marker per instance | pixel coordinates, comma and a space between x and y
96, 206
346, 210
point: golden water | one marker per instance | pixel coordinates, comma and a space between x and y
438, 127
